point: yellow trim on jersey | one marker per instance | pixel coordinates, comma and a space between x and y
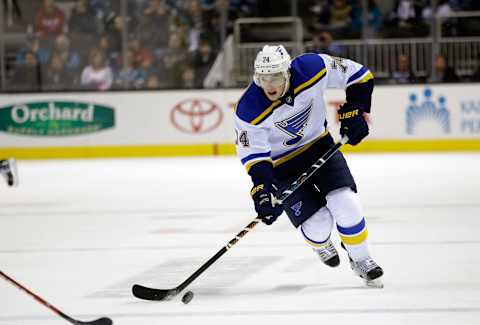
367, 77
299, 151
265, 112
251, 163
355, 240
311, 81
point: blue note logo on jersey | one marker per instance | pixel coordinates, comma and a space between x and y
294, 125
297, 208
429, 116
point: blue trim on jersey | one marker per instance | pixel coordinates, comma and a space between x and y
357, 75
254, 156
352, 230
252, 104
304, 68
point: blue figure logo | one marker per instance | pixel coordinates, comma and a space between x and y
297, 208
294, 125
418, 113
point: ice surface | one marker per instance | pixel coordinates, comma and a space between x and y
81, 232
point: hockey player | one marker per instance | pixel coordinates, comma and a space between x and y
281, 130
8, 168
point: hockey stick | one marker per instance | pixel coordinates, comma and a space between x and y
147, 293
100, 321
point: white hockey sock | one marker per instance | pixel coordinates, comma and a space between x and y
316, 229
344, 205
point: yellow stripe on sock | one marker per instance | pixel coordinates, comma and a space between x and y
355, 240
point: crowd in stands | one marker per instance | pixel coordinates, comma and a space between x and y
79, 44
407, 18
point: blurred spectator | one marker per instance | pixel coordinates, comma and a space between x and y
107, 10
128, 74
145, 70
27, 76
322, 42
169, 71
177, 46
114, 33
152, 82
320, 11
442, 72
112, 57
139, 51
213, 30
49, 20
196, 20
70, 58
406, 19
403, 74
97, 75
82, 24
235, 9
443, 9
156, 17
374, 16
57, 77
188, 78
340, 18
202, 62
33, 45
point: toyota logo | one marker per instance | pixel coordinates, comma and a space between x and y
196, 116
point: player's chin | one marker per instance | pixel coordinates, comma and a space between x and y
272, 95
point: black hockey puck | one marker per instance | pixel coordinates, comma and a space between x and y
187, 297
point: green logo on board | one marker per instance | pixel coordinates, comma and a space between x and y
55, 118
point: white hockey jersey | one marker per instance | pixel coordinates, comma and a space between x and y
281, 130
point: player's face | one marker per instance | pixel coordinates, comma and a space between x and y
272, 84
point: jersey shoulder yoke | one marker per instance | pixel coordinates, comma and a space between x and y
254, 107
307, 69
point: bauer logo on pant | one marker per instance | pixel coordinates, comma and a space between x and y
55, 118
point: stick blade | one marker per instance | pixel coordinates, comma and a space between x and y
147, 293
100, 321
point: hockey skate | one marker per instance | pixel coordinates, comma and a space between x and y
328, 254
8, 168
368, 270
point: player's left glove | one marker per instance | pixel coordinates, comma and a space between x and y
267, 208
352, 123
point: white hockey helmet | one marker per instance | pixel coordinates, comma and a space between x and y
272, 59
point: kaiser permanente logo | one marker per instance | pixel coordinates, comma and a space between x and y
427, 115
55, 118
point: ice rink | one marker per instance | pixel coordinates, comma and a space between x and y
80, 233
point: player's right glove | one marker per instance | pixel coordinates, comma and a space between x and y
267, 208
352, 123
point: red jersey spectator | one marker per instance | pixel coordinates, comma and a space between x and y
49, 19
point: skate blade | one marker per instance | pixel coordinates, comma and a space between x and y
377, 283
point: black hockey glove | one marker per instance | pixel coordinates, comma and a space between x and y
352, 123
267, 208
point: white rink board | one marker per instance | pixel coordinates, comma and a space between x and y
206, 116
